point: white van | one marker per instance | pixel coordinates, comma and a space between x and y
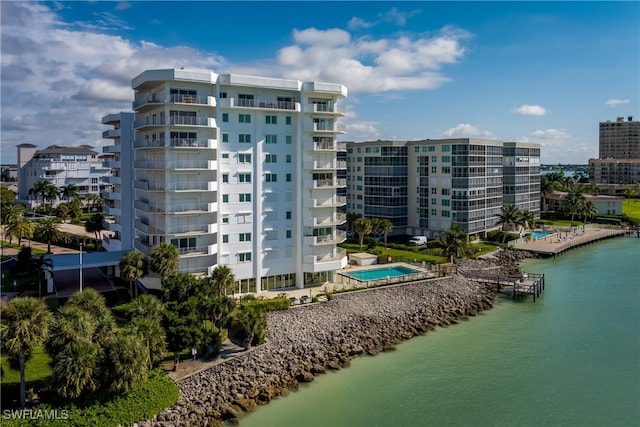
418, 241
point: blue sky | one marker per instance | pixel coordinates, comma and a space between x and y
543, 72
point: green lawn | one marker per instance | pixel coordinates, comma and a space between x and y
37, 368
631, 208
482, 248
399, 255
34, 251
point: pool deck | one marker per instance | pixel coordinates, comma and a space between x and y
564, 240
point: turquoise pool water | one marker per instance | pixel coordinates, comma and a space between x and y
381, 273
535, 235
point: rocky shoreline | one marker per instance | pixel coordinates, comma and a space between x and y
306, 341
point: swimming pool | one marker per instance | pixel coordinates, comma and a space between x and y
535, 235
381, 273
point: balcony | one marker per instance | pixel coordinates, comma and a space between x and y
329, 203
335, 219
112, 133
110, 195
171, 121
268, 104
329, 127
175, 164
323, 165
112, 164
112, 180
111, 244
112, 149
336, 260
331, 239
175, 143
325, 108
112, 211
329, 183
141, 205
139, 225
150, 101
330, 146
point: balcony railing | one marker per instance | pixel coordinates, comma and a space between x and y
330, 108
338, 237
173, 164
111, 133
335, 164
173, 143
330, 146
328, 183
158, 98
329, 127
332, 202
260, 103
172, 121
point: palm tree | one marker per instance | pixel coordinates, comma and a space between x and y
11, 213
20, 227
575, 198
94, 201
75, 356
145, 306
252, 320
69, 192
630, 194
527, 219
62, 211
93, 303
363, 227
127, 362
49, 230
508, 217
222, 280
133, 266
454, 242
351, 218
386, 227
153, 336
95, 225
43, 188
588, 209
165, 259
75, 369
25, 326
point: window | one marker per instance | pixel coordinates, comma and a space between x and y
244, 118
271, 139
367, 150
434, 201
446, 169
434, 212
432, 148
271, 177
225, 238
245, 237
244, 256
288, 158
94, 188
416, 149
446, 159
288, 177
434, 159
244, 177
244, 137
244, 158
225, 155
287, 139
245, 197
434, 190
446, 148
288, 215
245, 100
289, 233
434, 169
225, 220
94, 180
446, 202
271, 158
446, 191
446, 214
225, 117
287, 120
225, 198
225, 177
271, 120
225, 137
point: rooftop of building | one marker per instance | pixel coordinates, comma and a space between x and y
561, 195
56, 149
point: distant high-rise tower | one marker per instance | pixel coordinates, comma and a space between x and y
619, 156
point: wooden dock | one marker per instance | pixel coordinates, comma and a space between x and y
562, 241
525, 284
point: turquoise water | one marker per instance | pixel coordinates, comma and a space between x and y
535, 235
572, 358
381, 273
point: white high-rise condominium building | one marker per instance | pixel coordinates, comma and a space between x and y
118, 207
61, 166
240, 171
425, 186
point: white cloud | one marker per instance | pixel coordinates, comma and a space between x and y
393, 16
530, 110
465, 130
615, 102
363, 131
365, 65
550, 134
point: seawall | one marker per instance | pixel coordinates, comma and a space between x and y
306, 341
